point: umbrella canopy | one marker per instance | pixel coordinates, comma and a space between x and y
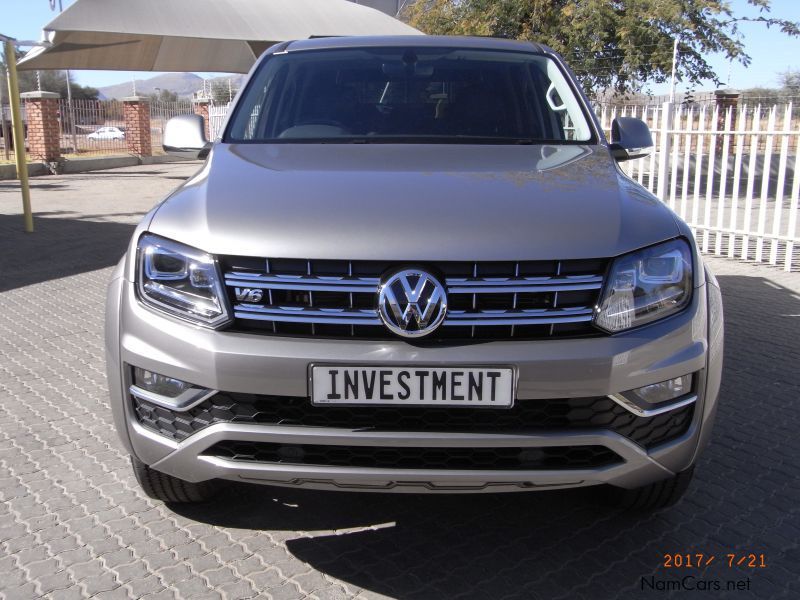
187, 35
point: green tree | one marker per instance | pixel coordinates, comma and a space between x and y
788, 90
164, 96
619, 44
221, 90
51, 81
790, 81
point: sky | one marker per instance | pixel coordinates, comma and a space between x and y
772, 52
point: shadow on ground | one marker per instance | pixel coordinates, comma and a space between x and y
116, 174
35, 185
548, 545
60, 247
563, 544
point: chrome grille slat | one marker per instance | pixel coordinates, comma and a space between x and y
350, 295
481, 320
555, 296
341, 316
491, 314
474, 296
313, 283
454, 286
519, 317
520, 287
310, 296
516, 299
274, 326
286, 314
532, 281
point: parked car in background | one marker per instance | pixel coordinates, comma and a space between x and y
413, 265
107, 133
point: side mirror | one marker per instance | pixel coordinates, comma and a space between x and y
630, 138
185, 136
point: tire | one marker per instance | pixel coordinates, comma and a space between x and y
660, 494
160, 486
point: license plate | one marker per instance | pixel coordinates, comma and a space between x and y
467, 387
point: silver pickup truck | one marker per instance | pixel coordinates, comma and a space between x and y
413, 264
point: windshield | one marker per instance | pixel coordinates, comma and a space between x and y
412, 95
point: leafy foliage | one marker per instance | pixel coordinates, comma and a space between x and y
51, 81
790, 81
164, 96
788, 91
611, 44
221, 90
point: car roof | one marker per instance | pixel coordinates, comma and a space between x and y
419, 41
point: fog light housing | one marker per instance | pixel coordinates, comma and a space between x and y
663, 391
169, 392
159, 384
658, 398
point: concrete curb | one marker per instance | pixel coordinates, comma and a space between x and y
82, 165
34, 170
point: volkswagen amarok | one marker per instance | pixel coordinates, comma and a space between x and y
413, 264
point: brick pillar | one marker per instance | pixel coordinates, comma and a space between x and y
136, 110
202, 107
725, 99
44, 131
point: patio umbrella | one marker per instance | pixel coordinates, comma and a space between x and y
187, 35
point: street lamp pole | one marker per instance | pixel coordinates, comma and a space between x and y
71, 111
70, 108
674, 68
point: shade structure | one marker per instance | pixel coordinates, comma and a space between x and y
191, 35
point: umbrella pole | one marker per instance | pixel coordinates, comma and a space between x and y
19, 134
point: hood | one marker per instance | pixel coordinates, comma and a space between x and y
413, 203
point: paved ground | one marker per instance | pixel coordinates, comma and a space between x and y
74, 524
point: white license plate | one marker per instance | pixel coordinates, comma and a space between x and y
412, 386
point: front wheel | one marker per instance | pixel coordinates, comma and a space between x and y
660, 494
160, 486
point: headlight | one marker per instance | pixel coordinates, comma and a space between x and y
646, 285
180, 280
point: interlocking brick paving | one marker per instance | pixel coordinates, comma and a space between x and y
73, 522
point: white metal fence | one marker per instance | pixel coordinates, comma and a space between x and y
733, 175
99, 125
216, 117
6, 134
160, 113
91, 127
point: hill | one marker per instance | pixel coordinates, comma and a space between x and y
183, 84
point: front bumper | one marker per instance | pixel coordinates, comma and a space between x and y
554, 368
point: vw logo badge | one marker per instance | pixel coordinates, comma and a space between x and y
412, 303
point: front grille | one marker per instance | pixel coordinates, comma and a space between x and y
556, 457
486, 300
566, 414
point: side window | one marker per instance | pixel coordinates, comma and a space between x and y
252, 122
251, 125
